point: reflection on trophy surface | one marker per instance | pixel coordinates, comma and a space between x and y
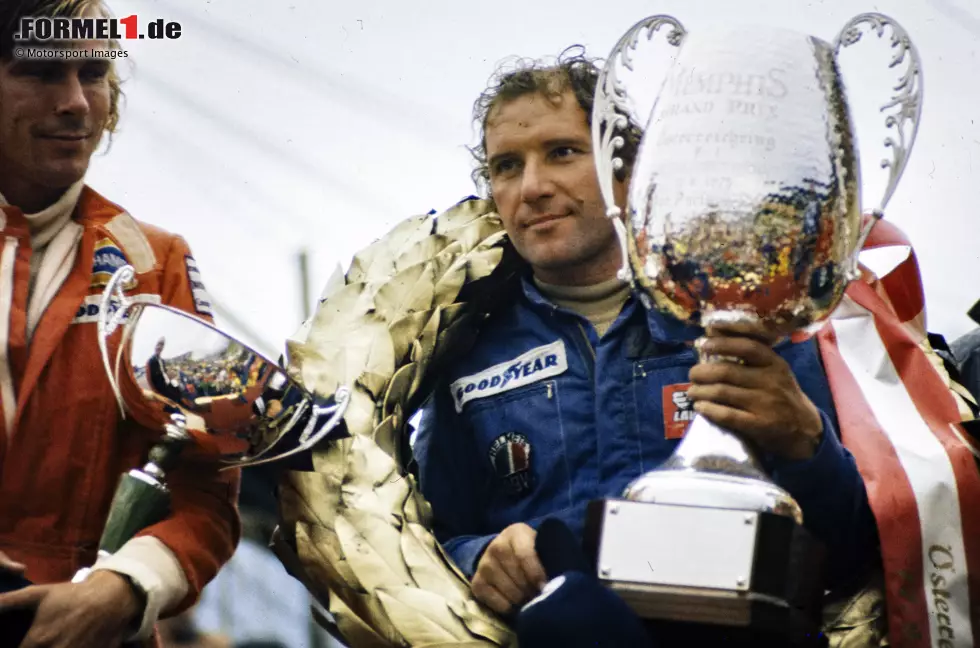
745, 197
212, 395
240, 408
744, 205
221, 382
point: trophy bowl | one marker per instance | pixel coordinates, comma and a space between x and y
744, 204
745, 196
172, 369
239, 407
217, 401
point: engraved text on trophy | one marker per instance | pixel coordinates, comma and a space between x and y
735, 195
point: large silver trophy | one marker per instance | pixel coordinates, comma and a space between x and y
217, 402
744, 204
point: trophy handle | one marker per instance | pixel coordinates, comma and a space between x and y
110, 320
314, 430
611, 112
903, 110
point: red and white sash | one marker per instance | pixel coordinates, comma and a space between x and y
901, 423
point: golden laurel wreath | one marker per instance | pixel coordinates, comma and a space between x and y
355, 530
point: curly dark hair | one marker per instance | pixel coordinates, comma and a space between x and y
571, 70
11, 13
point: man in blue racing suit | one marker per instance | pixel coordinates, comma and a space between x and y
573, 389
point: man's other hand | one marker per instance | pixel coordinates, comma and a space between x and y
509, 573
753, 391
100, 612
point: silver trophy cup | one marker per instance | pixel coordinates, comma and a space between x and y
216, 401
744, 204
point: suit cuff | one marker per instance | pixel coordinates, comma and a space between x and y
829, 460
153, 568
467, 551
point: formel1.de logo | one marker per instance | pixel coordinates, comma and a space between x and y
92, 28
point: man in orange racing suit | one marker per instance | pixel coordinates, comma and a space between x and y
63, 444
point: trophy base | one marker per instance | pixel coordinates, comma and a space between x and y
728, 568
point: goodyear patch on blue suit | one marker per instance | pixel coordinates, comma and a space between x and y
202, 300
529, 367
107, 260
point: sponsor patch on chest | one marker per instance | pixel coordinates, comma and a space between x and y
529, 367
108, 259
88, 312
678, 410
510, 458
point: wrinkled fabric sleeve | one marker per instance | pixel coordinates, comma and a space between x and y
151, 565
828, 486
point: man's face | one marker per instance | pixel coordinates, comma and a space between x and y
543, 179
52, 116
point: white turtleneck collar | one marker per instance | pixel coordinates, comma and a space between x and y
53, 228
46, 224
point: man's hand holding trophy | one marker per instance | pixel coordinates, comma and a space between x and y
744, 217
